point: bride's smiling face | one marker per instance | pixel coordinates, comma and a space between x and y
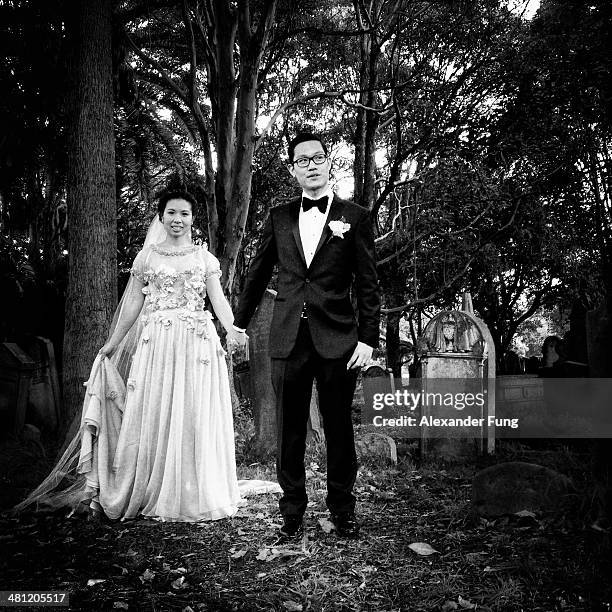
177, 218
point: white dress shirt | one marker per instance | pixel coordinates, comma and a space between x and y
311, 224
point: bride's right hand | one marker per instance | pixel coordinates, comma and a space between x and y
108, 349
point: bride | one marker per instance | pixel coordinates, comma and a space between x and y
156, 436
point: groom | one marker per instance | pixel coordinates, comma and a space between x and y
324, 250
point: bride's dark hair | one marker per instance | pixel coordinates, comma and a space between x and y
175, 194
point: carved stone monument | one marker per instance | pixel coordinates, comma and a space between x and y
261, 393
44, 400
16, 368
457, 360
599, 341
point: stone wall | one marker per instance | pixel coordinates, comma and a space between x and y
520, 391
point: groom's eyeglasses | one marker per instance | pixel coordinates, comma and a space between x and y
304, 162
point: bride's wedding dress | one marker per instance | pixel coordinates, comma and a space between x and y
162, 444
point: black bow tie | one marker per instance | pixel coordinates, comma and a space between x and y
321, 204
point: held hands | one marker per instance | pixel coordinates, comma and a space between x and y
361, 356
236, 340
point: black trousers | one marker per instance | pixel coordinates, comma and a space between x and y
292, 379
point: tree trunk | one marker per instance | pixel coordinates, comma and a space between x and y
241, 172
92, 237
224, 114
364, 166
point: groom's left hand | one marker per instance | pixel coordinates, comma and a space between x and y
360, 357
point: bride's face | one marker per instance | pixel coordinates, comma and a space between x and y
177, 218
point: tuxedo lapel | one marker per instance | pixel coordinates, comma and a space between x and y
335, 213
294, 213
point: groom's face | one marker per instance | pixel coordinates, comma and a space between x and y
312, 177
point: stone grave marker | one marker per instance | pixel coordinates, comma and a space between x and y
599, 342
16, 369
261, 392
457, 356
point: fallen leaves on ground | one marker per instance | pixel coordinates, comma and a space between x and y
422, 548
407, 515
326, 525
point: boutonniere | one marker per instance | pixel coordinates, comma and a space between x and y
339, 227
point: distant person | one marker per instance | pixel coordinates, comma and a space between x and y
553, 358
556, 362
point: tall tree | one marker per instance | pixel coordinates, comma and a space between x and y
210, 82
551, 142
92, 277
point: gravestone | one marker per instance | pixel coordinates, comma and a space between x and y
376, 371
16, 368
576, 338
373, 371
599, 342
372, 444
532, 365
315, 420
261, 392
457, 361
241, 371
512, 363
44, 399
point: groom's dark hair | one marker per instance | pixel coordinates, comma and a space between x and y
304, 137
175, 194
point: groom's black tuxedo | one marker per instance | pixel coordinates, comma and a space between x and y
314, 332
324, 286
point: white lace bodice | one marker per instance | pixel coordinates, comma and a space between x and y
175, 278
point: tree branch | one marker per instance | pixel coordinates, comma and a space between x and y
178, 89
435, 294
193, 59
265, 25
287, 105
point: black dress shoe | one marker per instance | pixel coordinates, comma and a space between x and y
346, 524
293, 527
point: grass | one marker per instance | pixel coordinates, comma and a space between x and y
546, 563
